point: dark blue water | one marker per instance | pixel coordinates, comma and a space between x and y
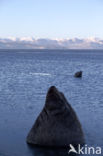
26, 75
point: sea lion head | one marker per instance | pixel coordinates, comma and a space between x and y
54, 99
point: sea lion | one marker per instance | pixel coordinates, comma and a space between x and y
78, 74
57, 125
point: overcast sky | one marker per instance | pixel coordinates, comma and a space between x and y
51, 18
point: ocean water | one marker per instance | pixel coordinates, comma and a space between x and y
26, 75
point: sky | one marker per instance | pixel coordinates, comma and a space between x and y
51, 19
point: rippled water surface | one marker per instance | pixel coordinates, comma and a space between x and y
26, 75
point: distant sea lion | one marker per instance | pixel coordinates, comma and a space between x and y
57, 125
78, 74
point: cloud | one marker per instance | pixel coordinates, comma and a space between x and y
32, 43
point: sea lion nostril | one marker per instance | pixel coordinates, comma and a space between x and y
52, 89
